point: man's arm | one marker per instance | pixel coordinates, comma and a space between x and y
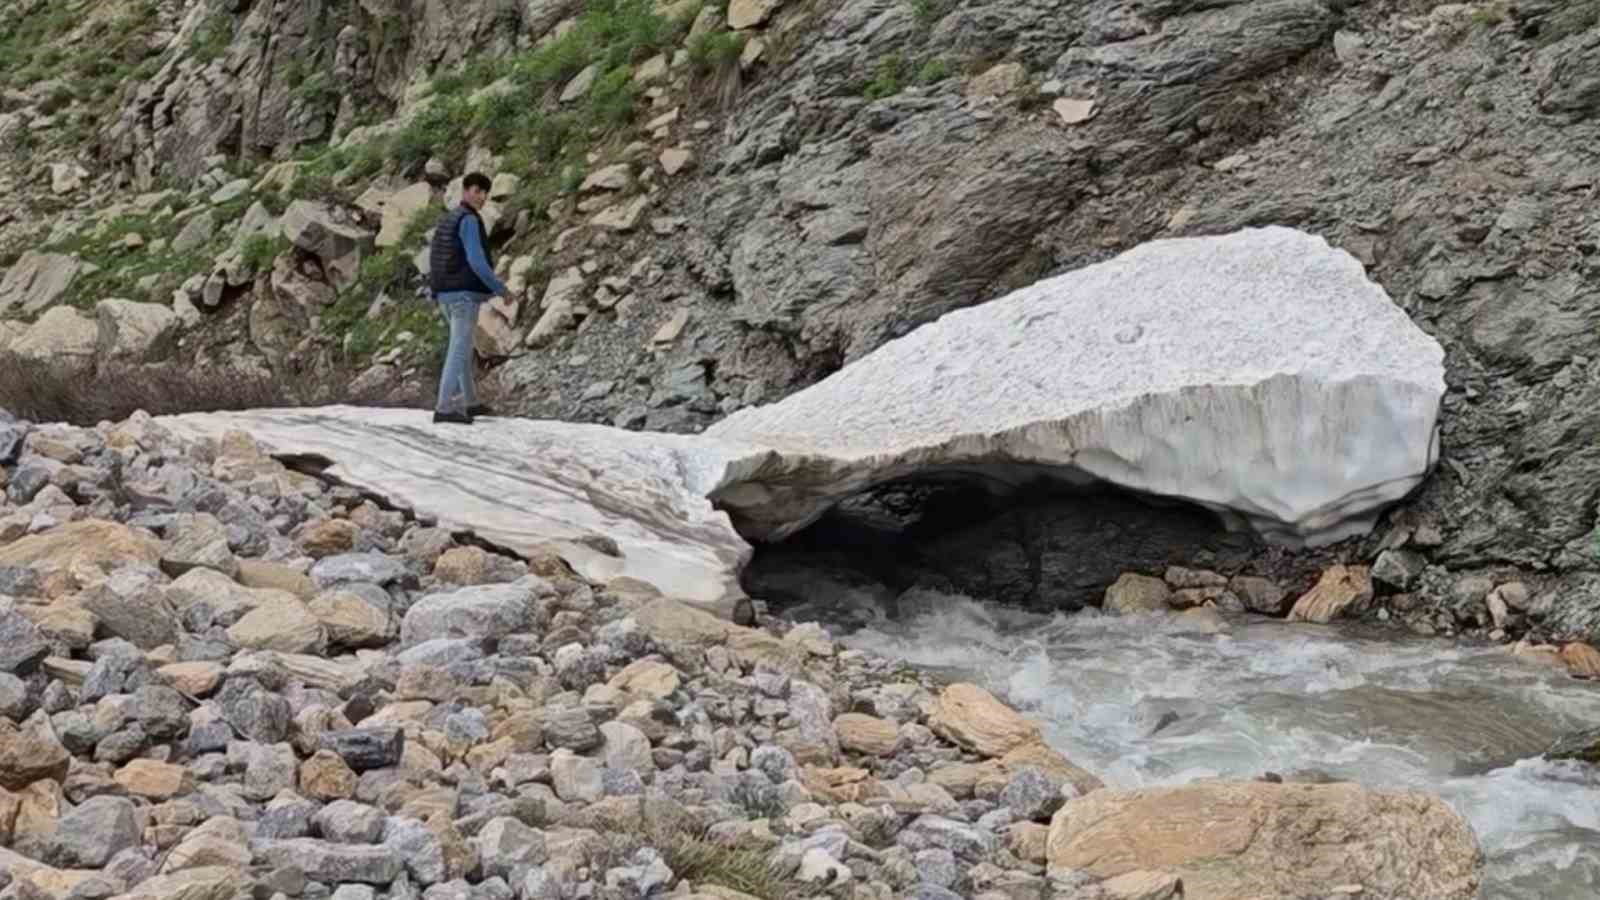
473, 242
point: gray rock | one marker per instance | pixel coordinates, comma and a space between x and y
778, 764
258, 714
625, 748
483, 611
22, 647
131, 604
938, 867
441, 651
621, 783
577, 667
121, 746
505, 845
366, 748
131, 866
576, 778
1030, 794
348, 822
571, 729
291, 819
330, 862
198, 541
411, 841
647, 875
208, 738
348, 568
162, 712
93, 832
1399, 569
354, 892
929, 832
268, 768
13, 697
109, 675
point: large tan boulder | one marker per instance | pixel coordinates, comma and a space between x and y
1342, 589
971, 717
1256, 841
285, 625
91, 543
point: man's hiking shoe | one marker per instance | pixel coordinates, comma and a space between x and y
452, 418
479, 410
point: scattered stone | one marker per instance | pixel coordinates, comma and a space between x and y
1260, 595
872, 736
154, 780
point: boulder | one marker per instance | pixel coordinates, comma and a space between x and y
314, 228
399, 209
1227, 841
30, 752
750, 13
1133, 594
971, 717
204, 883
485, 611
134, 332
37, 280
285, 625
91, 543
1341, 590
61, 337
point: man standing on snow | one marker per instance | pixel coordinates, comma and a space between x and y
461, 278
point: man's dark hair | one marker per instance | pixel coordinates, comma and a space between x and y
475, 180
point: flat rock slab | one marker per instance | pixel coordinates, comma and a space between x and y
1259, 374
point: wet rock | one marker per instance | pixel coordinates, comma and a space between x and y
1133, 594
1260, 595
1343, 590
1398, 569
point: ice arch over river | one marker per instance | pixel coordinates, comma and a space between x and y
1259, 374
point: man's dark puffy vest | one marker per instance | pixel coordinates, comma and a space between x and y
448, 269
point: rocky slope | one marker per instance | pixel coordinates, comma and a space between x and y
221, 678
707, 208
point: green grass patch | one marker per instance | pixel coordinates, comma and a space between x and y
212, 38
888, 78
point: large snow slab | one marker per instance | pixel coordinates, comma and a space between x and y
1260, 374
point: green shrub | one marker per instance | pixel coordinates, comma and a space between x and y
714, 51
212, 38
886, 79
933, 71
260, 250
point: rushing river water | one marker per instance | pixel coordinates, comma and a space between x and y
1463, 722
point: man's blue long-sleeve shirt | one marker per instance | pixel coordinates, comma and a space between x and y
472, 241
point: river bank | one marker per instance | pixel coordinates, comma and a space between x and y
228, 678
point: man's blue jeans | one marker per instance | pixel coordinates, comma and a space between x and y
460, 311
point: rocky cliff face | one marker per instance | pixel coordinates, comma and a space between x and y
709, 208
